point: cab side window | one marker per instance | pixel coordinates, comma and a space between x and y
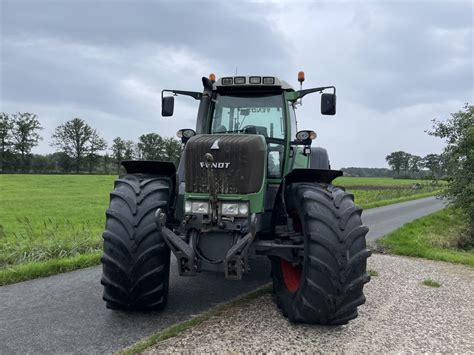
294, 127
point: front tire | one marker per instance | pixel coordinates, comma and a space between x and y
327, 287
136, 259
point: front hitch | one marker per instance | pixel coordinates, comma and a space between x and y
184, 252
236, 260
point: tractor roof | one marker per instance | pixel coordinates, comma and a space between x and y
254, 82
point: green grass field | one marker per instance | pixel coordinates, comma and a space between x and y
367, 181
439, 236
50, 218
59, 219
376, 192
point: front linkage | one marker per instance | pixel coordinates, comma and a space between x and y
184, 245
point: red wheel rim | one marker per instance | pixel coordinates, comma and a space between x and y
291, 275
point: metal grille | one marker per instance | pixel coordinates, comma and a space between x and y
239, 163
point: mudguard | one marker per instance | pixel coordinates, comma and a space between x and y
284, 202
159, 168
312, 175
163, 168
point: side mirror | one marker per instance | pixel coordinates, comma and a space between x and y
185, 133
328, 104
167, 106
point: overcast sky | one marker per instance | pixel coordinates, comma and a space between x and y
396, 64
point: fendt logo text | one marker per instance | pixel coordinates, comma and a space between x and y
214, 165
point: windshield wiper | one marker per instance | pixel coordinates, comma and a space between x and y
235, 131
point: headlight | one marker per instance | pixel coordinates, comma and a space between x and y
188, 206
196, 207
235, 209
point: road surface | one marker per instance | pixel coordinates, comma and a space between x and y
383, 220
65, 313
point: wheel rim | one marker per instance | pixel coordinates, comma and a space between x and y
291, 275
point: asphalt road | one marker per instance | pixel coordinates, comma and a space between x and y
383, 220
65, 313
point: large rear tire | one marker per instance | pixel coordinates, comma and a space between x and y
136, 259
327, 287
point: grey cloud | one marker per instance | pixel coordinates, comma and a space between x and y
417, 58
395, 64
405, 52
40, 65
207, 27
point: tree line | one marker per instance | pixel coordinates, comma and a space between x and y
367, 172
455, 163
79, 147
406, 165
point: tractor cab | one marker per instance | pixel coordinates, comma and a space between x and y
256, 105
262, 111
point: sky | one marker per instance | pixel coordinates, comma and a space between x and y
396, 64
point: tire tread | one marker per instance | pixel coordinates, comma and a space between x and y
136, 259
334, 268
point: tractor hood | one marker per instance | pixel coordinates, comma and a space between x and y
238, 163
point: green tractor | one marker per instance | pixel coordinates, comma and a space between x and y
248, 184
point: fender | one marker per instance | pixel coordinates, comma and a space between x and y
149, 167
312, 175
284, 198
159, 168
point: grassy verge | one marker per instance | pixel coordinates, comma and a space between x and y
178, 328
380, 203
439, 236
377, 192
23, 272
50, 224
379, 181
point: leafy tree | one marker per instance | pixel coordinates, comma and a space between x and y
458, 132
62, 162
130, 148
25, 135
151, 146
432, 162
122, 150
72, 138
406, 162
6, 125
42, 163
96, 144
446, 168
172, 150
367, 172
396, 161
415, 163
118, 151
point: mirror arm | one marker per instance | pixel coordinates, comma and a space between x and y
302, 93
195, 95
307, 142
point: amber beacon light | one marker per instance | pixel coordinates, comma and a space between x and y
301, 76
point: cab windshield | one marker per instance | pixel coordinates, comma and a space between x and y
249, 115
